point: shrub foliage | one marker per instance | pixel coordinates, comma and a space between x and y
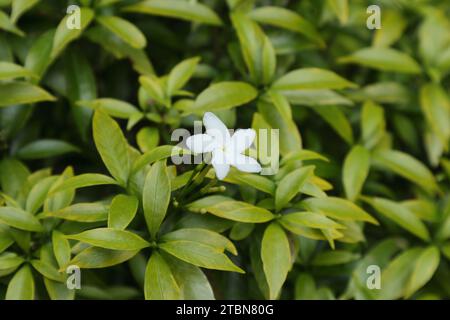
86, 117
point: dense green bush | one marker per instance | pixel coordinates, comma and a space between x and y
86, 117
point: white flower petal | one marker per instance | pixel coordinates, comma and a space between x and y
220, 164
200, 143
245, 164
216, 128
242, 139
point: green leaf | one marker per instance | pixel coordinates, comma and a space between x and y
181, 74
337, 119
122, 211
125, 30
19, 219
396, 275
112, 146
336, 257
38, 194
190, 11
355, 171
113, 107
9, 260
59, 200
436, 107
64, 35
19, 7
193, 283
21, 286
203, 236
147, 139
38, 57
83, 180
228, 208
307, 219
406, 166
8, 25
224, 95
61, 248
160, 283
10, 71
111, 239
95, 257
290, 185
81, 212
156, 196
276, 258
341, 9
372, 124
311, 78
384, 59
157, 154
393, 24
401, 216
338, 208
47, 270
199, 254
423, 271
46, 148
287, 19
12, 93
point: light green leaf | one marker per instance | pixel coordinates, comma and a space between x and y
406, 166
10, 71
338, 208
199, 254
64, 35
384, 59
193, 283
112, 146
181, 74
401, 216
122, 211
307, 219
83, 180
372, 124
423, 271
47, 270
95, 257
19, 7
9, 260
8, 25
228, 208
125, 30
21, 286
38, 57
157, 154
113, 107
287, 19
311, 78
159, 282
61, 248
38, 194
81, 212
111, 239
12, 93
203, 236
156, 196
436, 107
224, 95
290, 185
276, 258
393, 24
355, 171
190, 11
19, 219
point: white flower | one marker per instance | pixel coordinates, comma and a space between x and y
226, 150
